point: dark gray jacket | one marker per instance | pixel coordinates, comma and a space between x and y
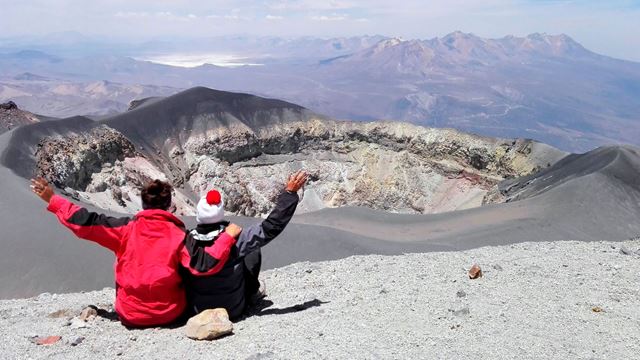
226, 289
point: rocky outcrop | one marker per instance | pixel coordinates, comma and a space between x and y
11, 117
245, 146
71, 161
389, 166
101, 167
8, 106
382, 165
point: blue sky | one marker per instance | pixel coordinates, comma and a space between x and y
608, 27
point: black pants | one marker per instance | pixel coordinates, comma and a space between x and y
252, 264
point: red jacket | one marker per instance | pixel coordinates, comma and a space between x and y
148, 249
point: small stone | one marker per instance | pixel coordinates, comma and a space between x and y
461, 312
43, 297
88, 313
461, 294
625, 251
62, 313
77, 341
78, 324
48, 340
475, 272
597, 309
497, 267
209, 324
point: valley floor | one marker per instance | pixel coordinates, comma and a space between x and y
536, 300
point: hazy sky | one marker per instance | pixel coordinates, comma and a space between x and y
610, 27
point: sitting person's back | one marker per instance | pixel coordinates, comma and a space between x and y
217, 280
149, 289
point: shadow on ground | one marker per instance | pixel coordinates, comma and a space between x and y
263, 308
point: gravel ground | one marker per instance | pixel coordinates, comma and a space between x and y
536, 300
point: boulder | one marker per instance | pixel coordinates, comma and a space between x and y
209, 324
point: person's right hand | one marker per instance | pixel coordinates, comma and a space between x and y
233, 230
296, 181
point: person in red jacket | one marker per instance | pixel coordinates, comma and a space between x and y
149, 290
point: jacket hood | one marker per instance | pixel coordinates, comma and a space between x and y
159, 215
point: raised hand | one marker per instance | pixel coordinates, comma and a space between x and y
41, 188
297, 181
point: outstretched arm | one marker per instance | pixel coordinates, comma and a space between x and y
261, 234
104, 230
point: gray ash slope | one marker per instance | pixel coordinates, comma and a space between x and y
584, 196
565, 299
619, 163
42, 256
157, 120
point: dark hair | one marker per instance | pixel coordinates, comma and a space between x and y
156, 195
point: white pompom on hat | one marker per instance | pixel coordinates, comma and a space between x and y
210, 208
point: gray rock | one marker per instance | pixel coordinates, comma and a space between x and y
77, 341
460, 312
461, 293
625, 251
76, 323
261, 356
10, 105
70, 162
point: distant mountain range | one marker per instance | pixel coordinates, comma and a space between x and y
65, 98
545, 87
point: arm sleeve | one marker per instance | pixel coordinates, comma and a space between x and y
261, 234
205, 261
104, 230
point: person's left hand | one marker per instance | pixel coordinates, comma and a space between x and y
233, 230
41, 188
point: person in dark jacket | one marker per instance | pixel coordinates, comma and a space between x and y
215, 279
149, 289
